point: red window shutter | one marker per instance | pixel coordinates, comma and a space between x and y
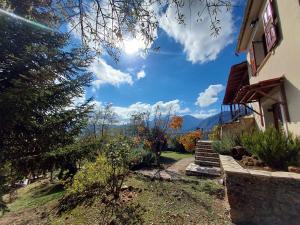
253, 60
269, 25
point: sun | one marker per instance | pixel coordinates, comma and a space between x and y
132, 46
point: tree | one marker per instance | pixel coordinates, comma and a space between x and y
103, 25
152, 133
102, 118
39, 79
189, 140
176, 122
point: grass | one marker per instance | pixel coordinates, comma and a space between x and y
156, 202
35, 195
169, 157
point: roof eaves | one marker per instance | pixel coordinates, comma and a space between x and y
243, 27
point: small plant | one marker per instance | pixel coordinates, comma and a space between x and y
117, 154
275, 148
224, 146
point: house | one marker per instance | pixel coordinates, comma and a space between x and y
268, 82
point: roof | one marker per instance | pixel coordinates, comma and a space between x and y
238, 77
250, 14
254, 92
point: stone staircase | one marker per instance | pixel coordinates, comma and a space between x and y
205, 155
207, 162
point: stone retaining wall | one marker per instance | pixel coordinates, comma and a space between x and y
261, 197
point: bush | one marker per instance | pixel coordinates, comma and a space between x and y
106, 173
189, 140
90, 174
140, 157
275, 148
176, 146
224, 146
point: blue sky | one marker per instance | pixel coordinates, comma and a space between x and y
189, 72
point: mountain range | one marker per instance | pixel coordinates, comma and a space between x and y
191, 123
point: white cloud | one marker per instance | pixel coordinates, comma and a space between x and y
209, 96
195, 36
124, 113
141, 74
106, 74
202, 114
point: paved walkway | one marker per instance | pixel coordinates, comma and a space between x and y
173, 172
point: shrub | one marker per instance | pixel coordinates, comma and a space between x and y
117, 154
140, 157
275, 148
189, 140
176, 146
90, 174
224, 146
106, 173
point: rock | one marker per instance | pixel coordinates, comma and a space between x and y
250, 163
130, 195
221, 181
238, 152
294, 169
123, 188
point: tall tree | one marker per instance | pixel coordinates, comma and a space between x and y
39, 78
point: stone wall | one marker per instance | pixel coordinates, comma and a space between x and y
246, 123
261, 197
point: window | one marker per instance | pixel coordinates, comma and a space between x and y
269, 25
265, 37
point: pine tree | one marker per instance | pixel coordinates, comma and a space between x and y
40, 75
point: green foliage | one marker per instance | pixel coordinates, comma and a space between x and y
117, 153
3, 188
224, 145
274, 147
175, 145
106, 173
69, 157
91, 173
140, 157
39, 80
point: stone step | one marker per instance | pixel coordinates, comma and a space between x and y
210, 149
204, 146
207, 163
204, 150
196, 170
208, 154
201, 147
212, 159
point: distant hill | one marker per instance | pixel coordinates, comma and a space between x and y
191, 123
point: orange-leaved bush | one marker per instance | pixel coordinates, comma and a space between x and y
189, 140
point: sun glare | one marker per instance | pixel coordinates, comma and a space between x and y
132, 46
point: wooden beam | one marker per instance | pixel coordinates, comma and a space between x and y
285, 105
261, 115
247, 107
269, 96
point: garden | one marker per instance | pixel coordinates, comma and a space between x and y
271, 149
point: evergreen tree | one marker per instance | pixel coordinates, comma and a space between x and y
40, 75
